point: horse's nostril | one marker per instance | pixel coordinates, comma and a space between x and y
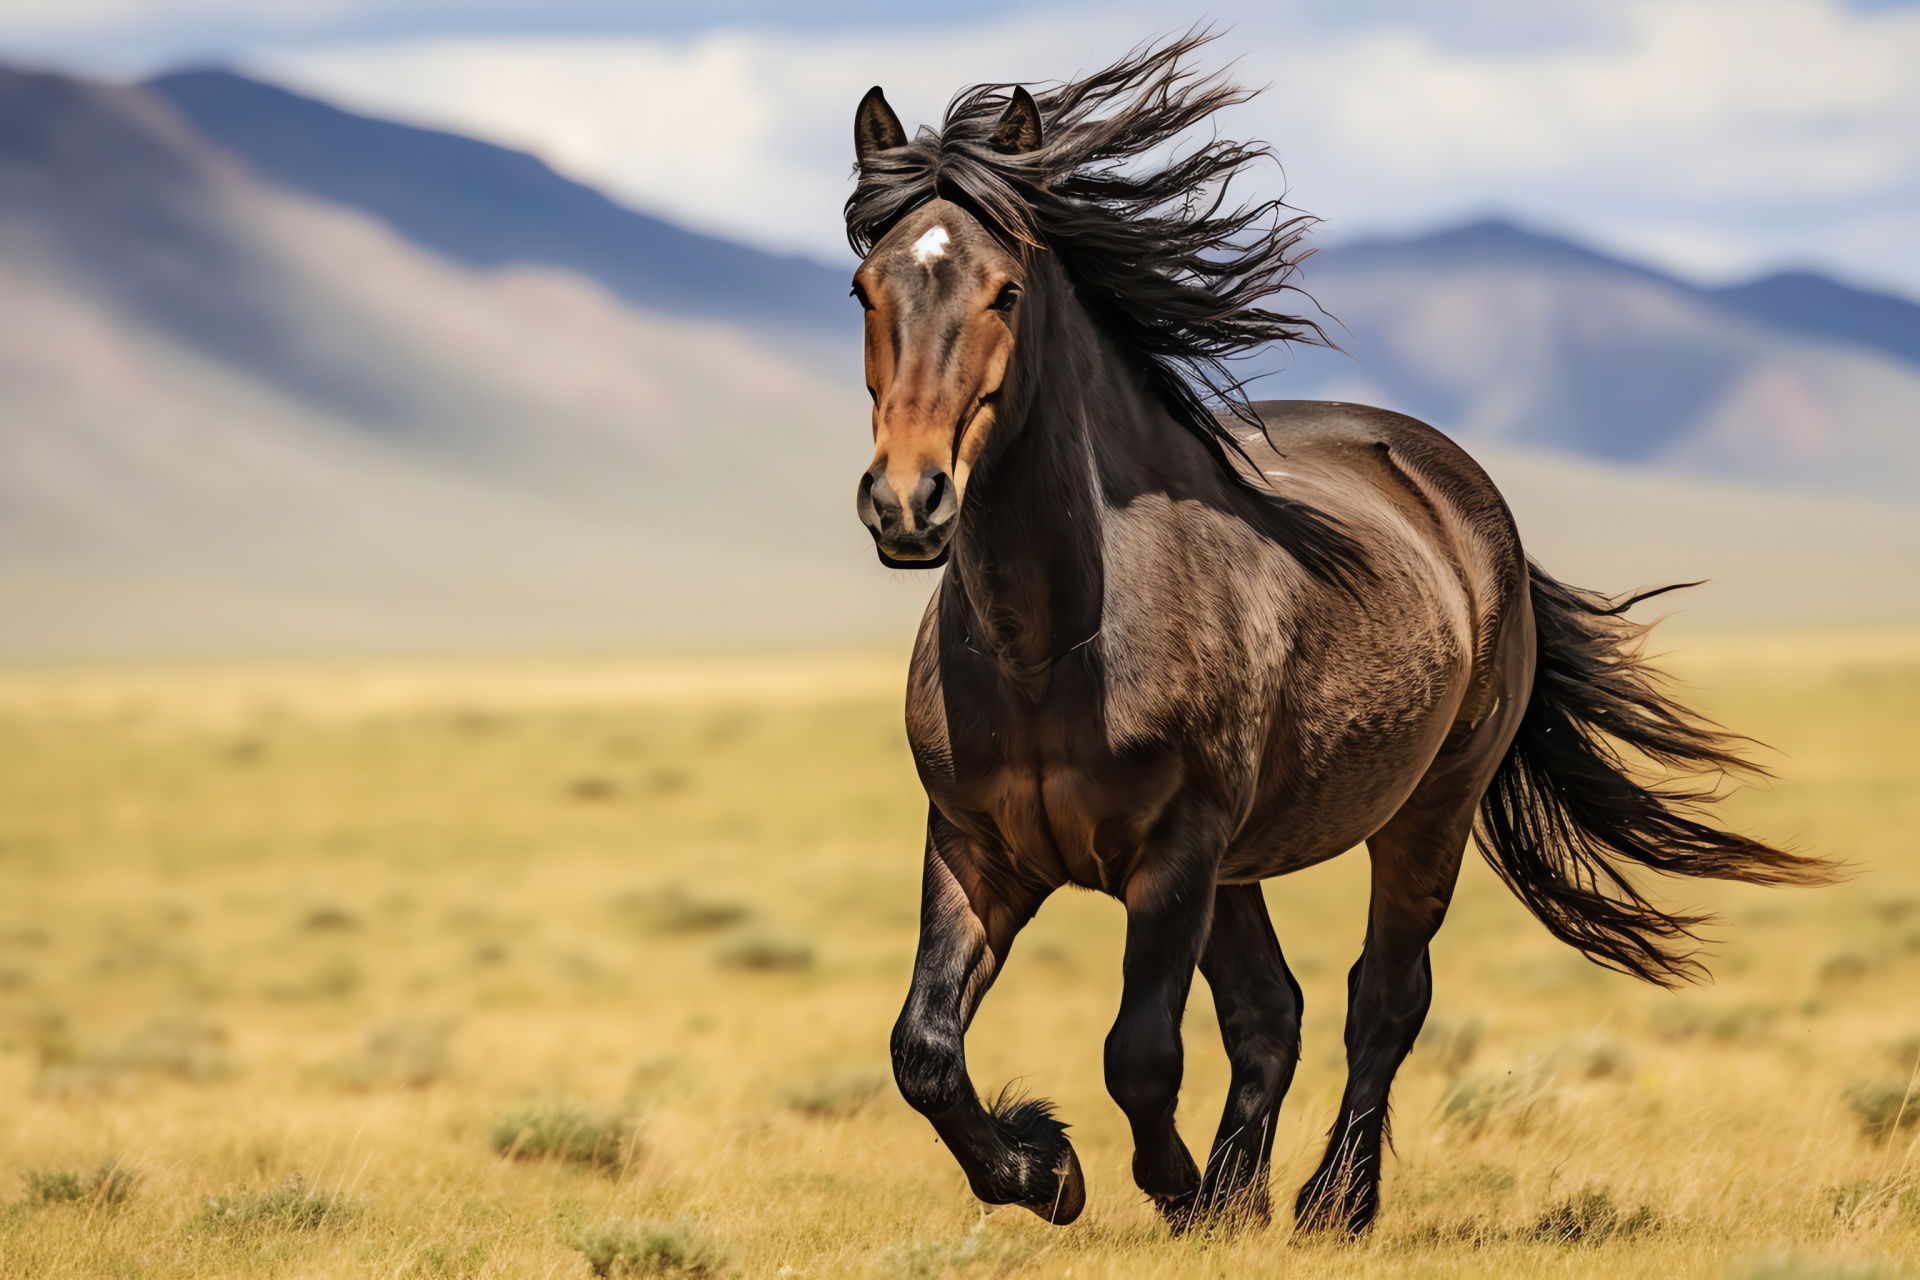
933, 499
879, 506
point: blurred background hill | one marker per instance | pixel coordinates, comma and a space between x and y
489, 206
237, 417
278, 376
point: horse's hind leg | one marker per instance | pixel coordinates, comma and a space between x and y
1014, 1152
1416, 860
1258, 1003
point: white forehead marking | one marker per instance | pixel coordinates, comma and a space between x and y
931, 245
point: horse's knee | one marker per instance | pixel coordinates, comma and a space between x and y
1259, 1083
1144, 1065
929, 1065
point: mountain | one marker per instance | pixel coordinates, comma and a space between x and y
1802, 303
1498, 334
1818, 306
233, 418
237, 417
1489, 330
488, 206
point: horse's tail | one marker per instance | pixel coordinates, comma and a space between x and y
1567, 815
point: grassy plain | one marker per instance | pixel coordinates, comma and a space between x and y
329, 971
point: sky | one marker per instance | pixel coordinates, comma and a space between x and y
1716, 138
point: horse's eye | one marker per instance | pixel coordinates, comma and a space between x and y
865, 303
1008, 295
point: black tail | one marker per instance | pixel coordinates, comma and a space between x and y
1566, 814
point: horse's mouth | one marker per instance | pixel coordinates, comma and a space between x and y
927, 549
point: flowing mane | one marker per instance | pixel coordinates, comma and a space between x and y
1170, 270
1158, 257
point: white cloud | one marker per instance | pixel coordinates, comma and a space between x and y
1705, 98
41, 18
1727, 132
743, 132
1721, 135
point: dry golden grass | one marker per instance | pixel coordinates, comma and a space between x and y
434, 970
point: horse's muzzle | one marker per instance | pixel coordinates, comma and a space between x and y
914, 532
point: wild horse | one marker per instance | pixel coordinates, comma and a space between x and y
1176, 652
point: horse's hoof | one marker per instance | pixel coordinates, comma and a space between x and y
1326, 1207
1182, 1212
1221, 1209
1070, 1194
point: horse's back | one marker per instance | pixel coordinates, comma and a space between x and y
1394, 444
1349, 458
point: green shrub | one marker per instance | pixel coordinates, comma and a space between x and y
1678, 1021
836, 1093
763, 952
329, 919
1883, 1107
1477, 1182
1864, 1199
405, 1054
53, 1186
642, 1247
569, 1133
291, 1206
185, 1048
1590, 1217
673, 910
106, 1186
978, 1250
453, 1262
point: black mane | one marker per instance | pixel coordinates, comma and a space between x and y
1154, 253
1162, 263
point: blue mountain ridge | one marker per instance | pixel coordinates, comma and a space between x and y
1502, 335
488, 206
1803, 303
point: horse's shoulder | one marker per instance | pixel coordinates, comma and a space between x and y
927, 730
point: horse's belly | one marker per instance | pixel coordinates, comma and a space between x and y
1359, 781
1309, 830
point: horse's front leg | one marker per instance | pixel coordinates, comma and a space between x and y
1169, 901
1013, 1151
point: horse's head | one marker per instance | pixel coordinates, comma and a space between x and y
942, 301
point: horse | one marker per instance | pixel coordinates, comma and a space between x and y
1185, 642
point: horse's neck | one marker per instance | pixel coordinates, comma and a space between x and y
1030, 565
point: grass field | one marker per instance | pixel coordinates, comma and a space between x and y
435, 970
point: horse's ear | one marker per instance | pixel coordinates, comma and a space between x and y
1018, 128
875, 127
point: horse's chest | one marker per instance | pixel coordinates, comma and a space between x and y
1048, 799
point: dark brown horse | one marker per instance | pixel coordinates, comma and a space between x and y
1176, 653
